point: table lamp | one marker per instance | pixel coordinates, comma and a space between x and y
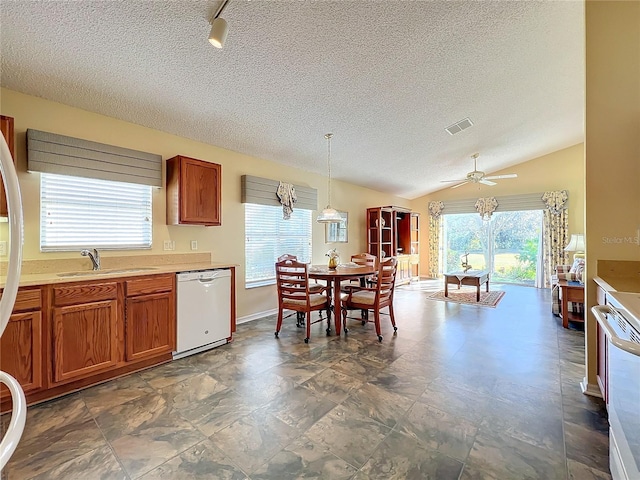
576, 245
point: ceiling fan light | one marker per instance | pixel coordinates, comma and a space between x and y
329, 215
219, 31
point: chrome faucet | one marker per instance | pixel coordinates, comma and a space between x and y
95, 257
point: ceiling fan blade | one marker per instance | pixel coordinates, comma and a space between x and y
459, 185
453, 181
499, 177
486, 182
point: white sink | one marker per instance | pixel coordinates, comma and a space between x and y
88, 273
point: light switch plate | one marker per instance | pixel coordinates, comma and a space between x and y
3, 249
169, 245
194, 244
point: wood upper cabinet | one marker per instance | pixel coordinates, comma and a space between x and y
150, 319
84, 329
21, 343
194, 190
6, 127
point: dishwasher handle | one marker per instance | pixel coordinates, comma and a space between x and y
599, 311
207, 280
201, 275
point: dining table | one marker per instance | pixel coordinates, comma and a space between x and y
333, 277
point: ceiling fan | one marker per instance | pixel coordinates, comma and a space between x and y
476, 176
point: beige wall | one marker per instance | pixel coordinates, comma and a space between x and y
612, 141
226, 243
561, 170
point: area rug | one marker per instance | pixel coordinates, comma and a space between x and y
487, 299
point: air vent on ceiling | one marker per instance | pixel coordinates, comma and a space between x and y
459, 126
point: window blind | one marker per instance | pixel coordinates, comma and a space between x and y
78, 213
267, 236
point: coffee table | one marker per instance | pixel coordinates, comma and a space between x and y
472, 277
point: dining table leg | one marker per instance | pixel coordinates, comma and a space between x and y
336, 305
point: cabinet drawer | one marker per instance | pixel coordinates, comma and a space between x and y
155, 284
85, 293
27, 300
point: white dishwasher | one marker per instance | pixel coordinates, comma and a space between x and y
204, 310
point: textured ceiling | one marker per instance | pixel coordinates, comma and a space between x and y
386, 77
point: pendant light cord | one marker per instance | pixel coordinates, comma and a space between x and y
328, 137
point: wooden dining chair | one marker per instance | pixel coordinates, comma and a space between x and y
374, 298
314, 288
292, 279
363, 259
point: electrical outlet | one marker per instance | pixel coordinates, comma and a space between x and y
169, 245
194, 244
3, 249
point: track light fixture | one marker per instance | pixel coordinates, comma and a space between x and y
219, 27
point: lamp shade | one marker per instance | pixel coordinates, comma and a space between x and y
219, 30
329, 215
576, 243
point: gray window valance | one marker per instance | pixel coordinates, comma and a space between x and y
53, 153
263, 191
506, 203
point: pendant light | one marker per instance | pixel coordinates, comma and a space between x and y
329, 214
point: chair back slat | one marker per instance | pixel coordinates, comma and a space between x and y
386, 281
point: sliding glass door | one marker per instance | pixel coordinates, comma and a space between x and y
508, 245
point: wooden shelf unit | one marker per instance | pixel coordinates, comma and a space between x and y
395, 231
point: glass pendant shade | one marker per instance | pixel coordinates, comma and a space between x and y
329, 215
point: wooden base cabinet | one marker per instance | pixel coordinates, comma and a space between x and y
84, 327
64, 337
21, 343
403, 274
150, 325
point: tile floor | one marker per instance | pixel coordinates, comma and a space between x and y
462, 392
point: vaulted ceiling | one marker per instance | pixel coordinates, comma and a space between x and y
386, 77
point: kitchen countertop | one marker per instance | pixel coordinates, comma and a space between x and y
618, 284
131, 269
618, 275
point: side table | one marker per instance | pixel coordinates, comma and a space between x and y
570, 292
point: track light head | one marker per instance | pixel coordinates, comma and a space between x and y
219, 30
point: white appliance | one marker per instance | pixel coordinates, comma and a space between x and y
620, 320
204, 310
14, 206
